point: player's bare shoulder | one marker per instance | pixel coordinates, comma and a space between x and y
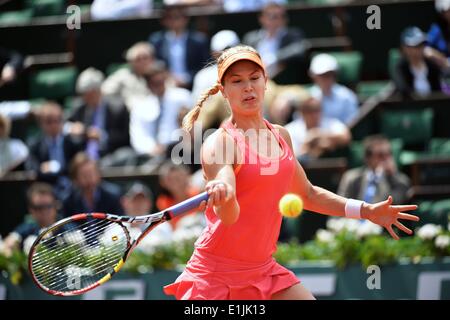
219, 148
284, 133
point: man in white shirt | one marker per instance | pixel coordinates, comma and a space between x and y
154, 121
128, 84
313, 134
118, 9
13, 152
338, 101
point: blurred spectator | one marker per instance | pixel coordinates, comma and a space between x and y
378, 178
52, 150
206, 77
13, 152
191, 2
415, 73
11, 63
278, 45
138, 200
185, 52
438, 39
16, 109
247, 5
89, 193
313, 134
152, 124
176, 187
116, 9
101, 123
338, 101
216, 110
284, 104
43, 207
128, 84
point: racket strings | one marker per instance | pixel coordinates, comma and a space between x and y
92, 233
95, 248
58, 277
78, 258
89, 224
59, 283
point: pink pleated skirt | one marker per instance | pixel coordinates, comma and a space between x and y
209, 277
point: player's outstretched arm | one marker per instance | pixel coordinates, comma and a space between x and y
326, 202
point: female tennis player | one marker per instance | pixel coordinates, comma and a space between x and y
233, 257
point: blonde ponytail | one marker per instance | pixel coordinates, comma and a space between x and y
191, 116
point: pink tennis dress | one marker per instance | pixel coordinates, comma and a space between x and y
235, 262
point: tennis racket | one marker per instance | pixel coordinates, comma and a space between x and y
79, 253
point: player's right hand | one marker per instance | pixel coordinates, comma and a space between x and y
219, 192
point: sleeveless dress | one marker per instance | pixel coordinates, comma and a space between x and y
235, 262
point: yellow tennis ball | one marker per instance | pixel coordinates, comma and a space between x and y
291, 205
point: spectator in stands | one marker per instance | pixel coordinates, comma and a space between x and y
176, 187
102, 123
89, 193
128, 84
314, 134
117, 9
438, 40
247, 5
11, 63
415, 73
138, 200
338, 101
43, 208
378, 178
283, 107
282, 49
216, 111
12, 86
153, 123
51, 151
185, 52
13, 152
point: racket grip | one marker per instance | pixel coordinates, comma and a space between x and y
187, 205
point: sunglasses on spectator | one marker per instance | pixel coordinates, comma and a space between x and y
274, 16
382, 154
44, 206
142, 57
311, 110
174, 16
52, 120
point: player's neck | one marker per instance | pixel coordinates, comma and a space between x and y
250, 122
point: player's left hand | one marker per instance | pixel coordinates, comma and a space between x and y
386, 215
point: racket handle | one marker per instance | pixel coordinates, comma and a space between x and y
187, 204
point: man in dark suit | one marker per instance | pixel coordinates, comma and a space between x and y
378, 178
89, 193
281, 48
102, 124
185, 52
51, 152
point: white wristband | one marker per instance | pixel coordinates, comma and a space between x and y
353, 208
